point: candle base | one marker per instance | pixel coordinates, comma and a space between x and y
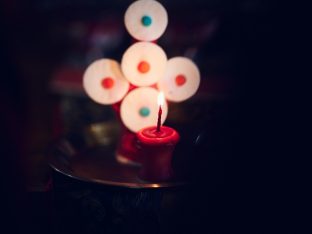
156, 163
156, 150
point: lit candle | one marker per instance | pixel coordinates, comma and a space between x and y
156, 145
139, 109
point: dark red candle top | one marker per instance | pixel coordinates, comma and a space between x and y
151, 136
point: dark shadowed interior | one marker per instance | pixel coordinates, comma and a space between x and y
229, 128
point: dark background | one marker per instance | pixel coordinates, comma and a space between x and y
235, 45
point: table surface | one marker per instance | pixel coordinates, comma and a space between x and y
97, 164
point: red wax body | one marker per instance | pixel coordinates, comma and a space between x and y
127, 151
156, 152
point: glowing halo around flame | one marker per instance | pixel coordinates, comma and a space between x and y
160, 99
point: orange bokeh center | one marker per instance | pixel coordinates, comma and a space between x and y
180, 80
143, 67
107, 83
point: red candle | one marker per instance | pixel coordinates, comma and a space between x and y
156, 145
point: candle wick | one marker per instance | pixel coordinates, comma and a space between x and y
159, 119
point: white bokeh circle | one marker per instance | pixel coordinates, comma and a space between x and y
94, 75
179, 66
144, 52
152, 9
143, 97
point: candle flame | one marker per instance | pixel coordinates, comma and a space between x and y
160, 99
